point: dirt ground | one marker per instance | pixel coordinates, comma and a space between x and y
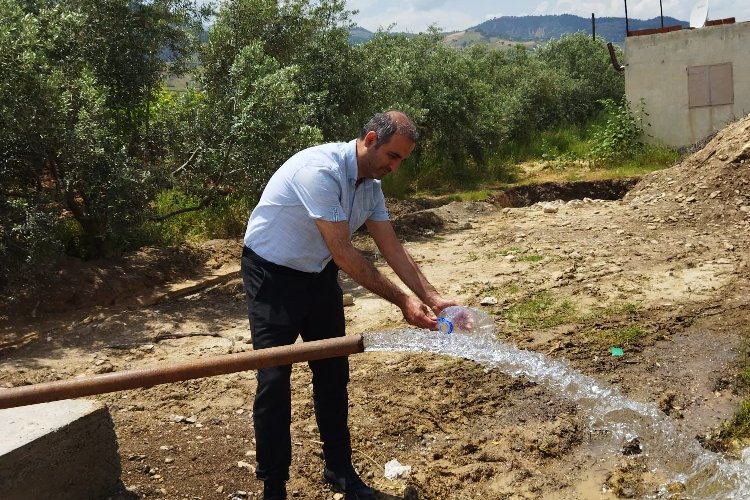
668, 263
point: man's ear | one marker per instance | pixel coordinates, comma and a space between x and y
371, 138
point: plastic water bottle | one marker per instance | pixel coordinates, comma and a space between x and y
461, 319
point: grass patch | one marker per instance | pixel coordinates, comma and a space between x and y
225, 218
444, 199
494, 291
628, 308
480, 195
522, 257
623, 311
532, 258
508, 251
566, 153
570, 141
471, 257
737, 429
736, 432
622, 336
627, 313
645, 159
541, 311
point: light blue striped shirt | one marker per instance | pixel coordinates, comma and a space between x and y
316, 183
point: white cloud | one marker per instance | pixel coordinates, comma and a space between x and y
417, 20
541, 9
428, 4
608, 8
487, 17
642, 9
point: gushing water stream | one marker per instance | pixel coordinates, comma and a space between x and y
705, 475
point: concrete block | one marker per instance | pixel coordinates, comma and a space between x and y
66, 450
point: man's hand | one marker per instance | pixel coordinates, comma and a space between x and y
419, 314
438, 303
352, 262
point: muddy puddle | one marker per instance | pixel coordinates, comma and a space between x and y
625, 426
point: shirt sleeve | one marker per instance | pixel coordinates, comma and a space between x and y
319, 191
380, 212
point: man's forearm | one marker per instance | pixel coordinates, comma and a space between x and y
361, 270
351, 261
408, 271
402, 263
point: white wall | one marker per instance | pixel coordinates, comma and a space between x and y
656, 70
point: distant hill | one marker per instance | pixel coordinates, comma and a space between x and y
541, 28
463, 39
359, 35
509, 30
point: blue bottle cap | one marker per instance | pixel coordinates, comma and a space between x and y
444, 325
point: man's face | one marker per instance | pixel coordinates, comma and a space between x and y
381, 161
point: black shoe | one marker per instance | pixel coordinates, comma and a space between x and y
346, 480
274, 490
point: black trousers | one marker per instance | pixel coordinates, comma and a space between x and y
284, 303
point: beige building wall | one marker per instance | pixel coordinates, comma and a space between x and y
657, 70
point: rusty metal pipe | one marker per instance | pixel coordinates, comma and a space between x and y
613, 57
207, 367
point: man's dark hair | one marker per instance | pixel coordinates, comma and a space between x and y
389, 123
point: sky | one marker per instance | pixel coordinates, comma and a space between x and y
453, 15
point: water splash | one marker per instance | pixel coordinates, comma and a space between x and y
704, 475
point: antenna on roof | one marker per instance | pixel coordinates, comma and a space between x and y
699, 15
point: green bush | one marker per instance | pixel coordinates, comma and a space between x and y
619, 136
226, 218
74, 116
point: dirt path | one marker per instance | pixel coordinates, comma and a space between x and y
663, 273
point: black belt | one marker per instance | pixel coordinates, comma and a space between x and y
272, 266
248, 252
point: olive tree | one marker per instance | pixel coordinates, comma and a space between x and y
77, 80
445, 92
586, 63
276, 77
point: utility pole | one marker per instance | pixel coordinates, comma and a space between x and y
661, 11
627, 27
593, 27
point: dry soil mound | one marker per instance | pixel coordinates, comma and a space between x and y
711, 185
